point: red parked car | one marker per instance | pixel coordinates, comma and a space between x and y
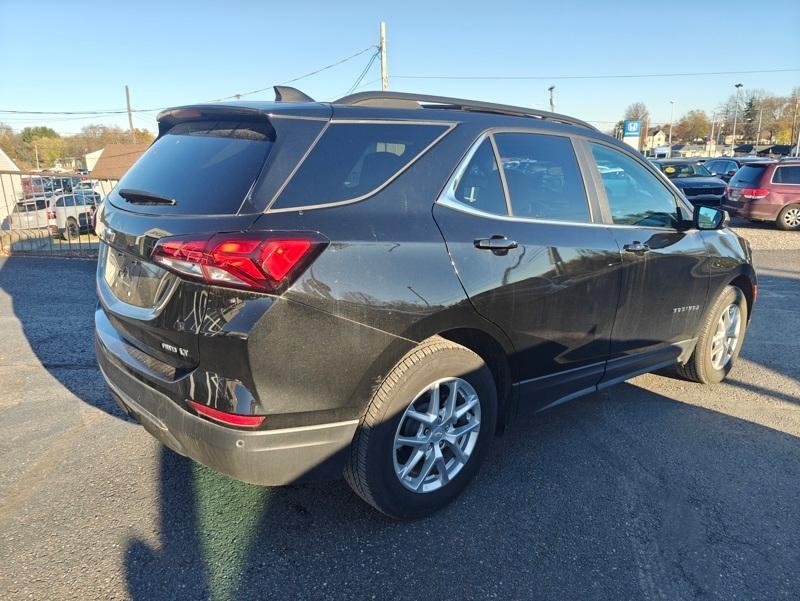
767, 192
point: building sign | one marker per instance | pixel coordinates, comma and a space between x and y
632, 129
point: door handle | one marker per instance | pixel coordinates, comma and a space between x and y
496, 244
636, 247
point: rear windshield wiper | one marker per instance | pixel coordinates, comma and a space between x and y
139, 197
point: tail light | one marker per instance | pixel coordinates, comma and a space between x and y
264, 262
230, 419
754, 193
51, 214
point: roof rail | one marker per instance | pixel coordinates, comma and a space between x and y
406, 99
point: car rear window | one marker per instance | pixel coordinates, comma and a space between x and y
207, 167
787, 175
353, 160
748, 175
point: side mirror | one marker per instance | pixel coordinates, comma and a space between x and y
709, 218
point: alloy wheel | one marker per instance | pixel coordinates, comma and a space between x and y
437, 435
791, 217
726, 336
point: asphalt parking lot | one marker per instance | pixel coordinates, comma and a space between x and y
653, 489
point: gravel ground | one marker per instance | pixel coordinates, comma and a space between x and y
653, 489
765, 236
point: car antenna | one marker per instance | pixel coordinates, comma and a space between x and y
290, 94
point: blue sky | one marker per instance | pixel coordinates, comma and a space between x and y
73, 56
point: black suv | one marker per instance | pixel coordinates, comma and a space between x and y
376, 285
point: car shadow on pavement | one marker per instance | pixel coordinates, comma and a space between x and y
624, 494
57, 319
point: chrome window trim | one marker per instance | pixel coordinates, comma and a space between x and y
296, 117
448, 125
772, 177
672, 189
448, 198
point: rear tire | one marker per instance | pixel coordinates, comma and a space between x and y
789, 218
72, 232
381, 467
719, 340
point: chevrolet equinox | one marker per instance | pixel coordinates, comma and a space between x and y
376, 286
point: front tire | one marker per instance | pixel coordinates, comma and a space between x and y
720, 339
425, 432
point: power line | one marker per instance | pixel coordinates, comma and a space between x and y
363, 74
320, 70
615, 76
124, 111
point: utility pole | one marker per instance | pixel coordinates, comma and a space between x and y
384, 66
552, 100
758, 135
738, 87
130, 115
794, 119
797, 146
36, 152
671, 119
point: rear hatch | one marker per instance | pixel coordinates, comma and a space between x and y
746, 184
205, 174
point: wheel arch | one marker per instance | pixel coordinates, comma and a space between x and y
748, 287
495, 355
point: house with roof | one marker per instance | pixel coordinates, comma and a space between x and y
10, 188
114, 160
656, 136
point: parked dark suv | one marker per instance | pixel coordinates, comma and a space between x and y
726, 167
767, 192
290, 290
695, 181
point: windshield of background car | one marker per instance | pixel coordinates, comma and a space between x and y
676, 170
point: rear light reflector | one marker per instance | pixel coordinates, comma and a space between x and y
264, 262
754, 193
230, 419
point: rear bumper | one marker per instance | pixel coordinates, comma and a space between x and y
266, 457
752, 209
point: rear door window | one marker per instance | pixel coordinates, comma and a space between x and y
207, 167
543, 178
748, 175
787, 175
353, 160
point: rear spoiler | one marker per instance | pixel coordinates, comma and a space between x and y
258, 111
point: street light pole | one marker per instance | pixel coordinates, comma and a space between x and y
738, 87
671, 117
758, 135
552, 100
711, 137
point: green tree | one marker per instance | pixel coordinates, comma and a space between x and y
40, 131
694, 125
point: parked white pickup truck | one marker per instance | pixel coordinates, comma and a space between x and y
71, 215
